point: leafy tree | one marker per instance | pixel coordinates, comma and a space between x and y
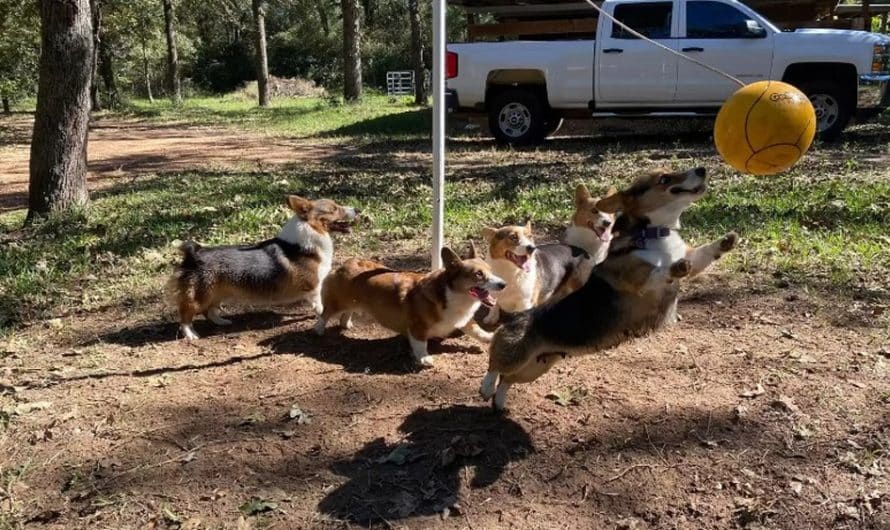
19, 50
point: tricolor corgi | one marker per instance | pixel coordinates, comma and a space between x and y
629, 294
285, 269
534, 273
416, 305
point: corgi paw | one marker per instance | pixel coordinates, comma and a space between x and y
489, 385
681, 268
320, 326
188, 333
346, 322
426, 361
729, 242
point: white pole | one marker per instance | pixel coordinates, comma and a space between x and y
438, 130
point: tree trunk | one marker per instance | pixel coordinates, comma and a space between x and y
417, 52
172, 56
321, 6
262, 60
352, 56
6, 108
59, 146
145, 68
95, 100
106, 70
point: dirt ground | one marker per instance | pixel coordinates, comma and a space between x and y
767, 406
122, 150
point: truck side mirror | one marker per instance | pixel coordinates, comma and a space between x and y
753, 30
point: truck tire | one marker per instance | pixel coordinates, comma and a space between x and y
517, 117
834, 107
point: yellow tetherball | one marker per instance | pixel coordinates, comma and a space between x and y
765, 127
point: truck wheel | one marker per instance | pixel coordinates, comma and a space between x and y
833, 107
517, 117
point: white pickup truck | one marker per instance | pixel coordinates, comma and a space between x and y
526, 87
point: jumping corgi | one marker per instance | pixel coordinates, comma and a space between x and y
632, 292
534, 273
590, 228
284, 269
416, 305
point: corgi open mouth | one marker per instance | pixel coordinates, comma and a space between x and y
523, 262
482, 295
676, 190
340, 226
604, 233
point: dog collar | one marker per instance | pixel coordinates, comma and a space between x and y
650, 232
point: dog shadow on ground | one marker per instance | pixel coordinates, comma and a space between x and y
165, 331
423, 473
376, 355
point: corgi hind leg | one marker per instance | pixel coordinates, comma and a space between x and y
214, 316
187, 312
346, 320
489, 385
420, 351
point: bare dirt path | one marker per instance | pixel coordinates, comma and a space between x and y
121, 150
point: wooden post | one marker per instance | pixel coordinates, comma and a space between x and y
866, 13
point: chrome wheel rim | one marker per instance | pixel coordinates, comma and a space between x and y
827, 111
515, 120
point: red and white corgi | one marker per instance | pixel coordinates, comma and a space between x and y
416, 305
590, 228
285, 269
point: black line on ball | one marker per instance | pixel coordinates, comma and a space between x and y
748, 115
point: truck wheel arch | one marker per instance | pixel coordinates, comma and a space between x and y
832, 80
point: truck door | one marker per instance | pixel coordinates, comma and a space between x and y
725, 36
631, 71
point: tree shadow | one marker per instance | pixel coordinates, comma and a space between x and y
408, 123
421, 475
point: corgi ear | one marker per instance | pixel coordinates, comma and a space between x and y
582, 195
488, 233
299, 205
611, 191
449, 258
611, 203
473, 252
528, 227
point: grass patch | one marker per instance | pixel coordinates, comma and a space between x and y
829, 232
375, 115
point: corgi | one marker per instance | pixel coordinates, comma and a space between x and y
632, 292
534, 273
285, 269
416, 305
590, 228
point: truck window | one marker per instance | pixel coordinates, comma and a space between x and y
714, 20
652, 19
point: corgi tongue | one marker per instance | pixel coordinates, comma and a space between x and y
520, 261
605, 234
483, 296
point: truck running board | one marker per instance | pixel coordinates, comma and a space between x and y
656, 114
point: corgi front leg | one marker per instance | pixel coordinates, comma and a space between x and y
472, 329
188, 332
317, 305
419, 349
214, 316
489, 385
702, 257
494, 314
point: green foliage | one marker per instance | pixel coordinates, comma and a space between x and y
19, 48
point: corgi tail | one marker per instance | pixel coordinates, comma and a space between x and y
189, 251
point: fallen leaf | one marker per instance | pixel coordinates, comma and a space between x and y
296, 413
25, 408
754, 392
796, 487
256, 505
567, 396
397, 456
170, 516
785, 403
